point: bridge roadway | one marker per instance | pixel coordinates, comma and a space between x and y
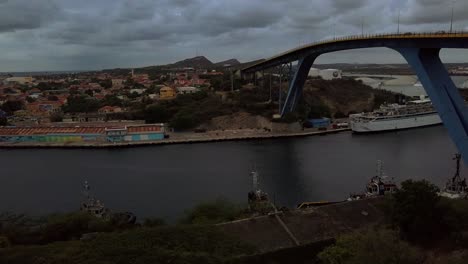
421, 51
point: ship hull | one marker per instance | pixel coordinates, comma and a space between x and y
392, 124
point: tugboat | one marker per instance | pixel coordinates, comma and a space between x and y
258, 199
256, 195
455, 187
91, 205
377, 186
96, 208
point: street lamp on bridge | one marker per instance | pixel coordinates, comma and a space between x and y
451, 17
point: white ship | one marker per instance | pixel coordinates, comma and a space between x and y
418, 113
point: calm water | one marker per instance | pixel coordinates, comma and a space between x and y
411, 90
163, 181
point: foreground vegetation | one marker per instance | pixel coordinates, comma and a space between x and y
81, 238
419, 227
175, 244
422, 227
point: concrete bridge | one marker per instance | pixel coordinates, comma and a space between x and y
421, 51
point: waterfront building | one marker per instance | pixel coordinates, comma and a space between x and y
82, 134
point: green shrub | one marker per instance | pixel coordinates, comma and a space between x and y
416, 211
153, 222
371, 246
177, 244
4, 242
213, 212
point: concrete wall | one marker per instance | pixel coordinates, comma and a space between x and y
53, 138
144, 136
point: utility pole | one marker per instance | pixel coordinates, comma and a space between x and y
270, 87
279, 92
232, 81
334, 30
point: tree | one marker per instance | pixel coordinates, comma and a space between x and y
213, 212
133, 95
106, 84
111, 100
339, 114
416, 211
216, 83
3, 121
56, 117
29, 99
12, 106
183, 121
42, 86
156, 114
89, 92
52, 98
81, 104
370, 246
319, 110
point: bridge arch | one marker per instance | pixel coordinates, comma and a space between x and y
420, 50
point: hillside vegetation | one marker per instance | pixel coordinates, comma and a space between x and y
337, 98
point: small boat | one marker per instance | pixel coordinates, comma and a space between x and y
377, 186
96, 208
456, 187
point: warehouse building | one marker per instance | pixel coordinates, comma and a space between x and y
83, 134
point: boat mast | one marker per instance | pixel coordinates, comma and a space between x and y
379, 168
86, 191
457, 172
254, 174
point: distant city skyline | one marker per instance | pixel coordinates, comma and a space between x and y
55, 35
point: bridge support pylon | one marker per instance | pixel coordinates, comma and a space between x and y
443, 93
297, 84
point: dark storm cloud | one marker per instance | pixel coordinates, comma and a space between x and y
136, 10
433, 11
346, 5
89, 34
25, 14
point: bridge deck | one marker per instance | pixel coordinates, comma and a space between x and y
280, 58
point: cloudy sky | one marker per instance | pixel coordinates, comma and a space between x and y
38, 35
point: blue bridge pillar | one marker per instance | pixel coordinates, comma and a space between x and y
443, 93
297, 84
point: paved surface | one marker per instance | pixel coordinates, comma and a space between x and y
179, 138
307, 226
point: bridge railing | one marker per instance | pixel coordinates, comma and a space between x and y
385, 35
408, 35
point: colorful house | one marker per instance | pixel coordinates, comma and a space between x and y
166, 93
